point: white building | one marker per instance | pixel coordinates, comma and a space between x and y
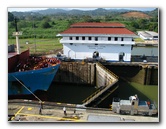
148, 35
110, 41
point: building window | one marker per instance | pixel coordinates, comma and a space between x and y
77, 38
155, 36
71, 38
96, 38
109, 38
116, 38
122, 39
83, 38
90, 38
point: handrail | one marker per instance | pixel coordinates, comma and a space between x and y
110, 92
99, 93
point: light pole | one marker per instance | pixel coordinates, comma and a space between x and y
17, 34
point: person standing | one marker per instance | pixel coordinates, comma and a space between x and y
40, 109
41, 104
64, 110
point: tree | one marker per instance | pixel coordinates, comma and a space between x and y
135, 24
47, 18
45, 25
10, 17
142, 23
53, 23
87, 18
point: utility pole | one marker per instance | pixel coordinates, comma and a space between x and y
17, 34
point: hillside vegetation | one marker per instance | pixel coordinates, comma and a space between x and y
136, 15
46, 24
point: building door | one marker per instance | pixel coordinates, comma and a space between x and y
121, 56
96, 54
71, 54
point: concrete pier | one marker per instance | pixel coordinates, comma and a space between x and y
28, 111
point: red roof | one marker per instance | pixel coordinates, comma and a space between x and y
98, 28
98, 31
96, 24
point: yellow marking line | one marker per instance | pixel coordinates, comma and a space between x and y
17, 112
29, 108
52, 117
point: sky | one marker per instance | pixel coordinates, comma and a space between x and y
24, 9
33, 9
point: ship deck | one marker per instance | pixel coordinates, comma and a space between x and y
11, 54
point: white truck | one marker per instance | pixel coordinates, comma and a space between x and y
133, 106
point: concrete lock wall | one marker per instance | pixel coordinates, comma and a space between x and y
92, 74
151, 76
76, 73
104, 77
147, 76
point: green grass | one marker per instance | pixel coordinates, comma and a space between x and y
138, 40
42, 45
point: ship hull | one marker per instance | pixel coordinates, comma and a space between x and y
34, 80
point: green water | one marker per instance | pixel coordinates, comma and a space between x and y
68, 93
144, 92
151, 91
77, 93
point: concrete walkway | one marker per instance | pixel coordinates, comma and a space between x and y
29, 112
